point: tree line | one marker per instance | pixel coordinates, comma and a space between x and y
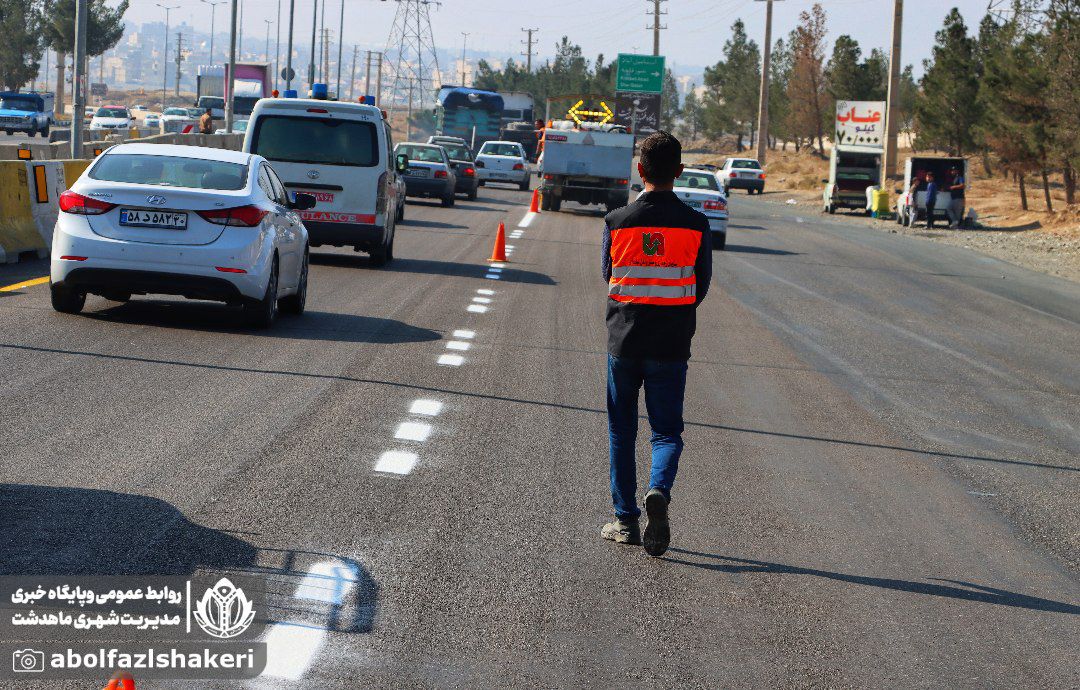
30, 27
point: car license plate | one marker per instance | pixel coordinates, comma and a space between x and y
153, 219
744, 174
498, 174
419, 172
693, 204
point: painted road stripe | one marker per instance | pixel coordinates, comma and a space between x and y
527, 220
482, 300
477, 308
25, 284
493, 276
396, 462
429, 408
457, 345
485, 291
465, 335
498, 266
413, 431
451, 360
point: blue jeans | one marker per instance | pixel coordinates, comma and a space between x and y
665, 383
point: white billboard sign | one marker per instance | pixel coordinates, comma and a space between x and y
860, 123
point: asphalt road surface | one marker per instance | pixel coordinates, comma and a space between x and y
879, 489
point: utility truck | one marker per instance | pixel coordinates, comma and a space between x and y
29, 112
851, 170
587, 163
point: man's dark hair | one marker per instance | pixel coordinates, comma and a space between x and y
929, 175
661, 155
209, 111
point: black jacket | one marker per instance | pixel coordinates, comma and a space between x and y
648, 331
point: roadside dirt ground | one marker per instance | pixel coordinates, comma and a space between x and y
1036, 239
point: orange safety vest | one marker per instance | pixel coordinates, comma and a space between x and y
654, 265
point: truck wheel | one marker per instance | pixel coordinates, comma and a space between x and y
556, 203
45, 132
31, 133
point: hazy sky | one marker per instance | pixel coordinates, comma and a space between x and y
695, 35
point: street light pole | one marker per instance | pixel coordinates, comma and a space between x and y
314, 28
267, 49
288, 56
213, 8
230, 75
340, 44
277, 47
165, 54
78, 97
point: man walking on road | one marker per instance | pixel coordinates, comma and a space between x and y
206, 122
657, 260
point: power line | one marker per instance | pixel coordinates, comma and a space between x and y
656, 13
529, 48
410, 48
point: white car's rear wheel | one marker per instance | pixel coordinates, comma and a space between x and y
262, 313
295, 303
65, 300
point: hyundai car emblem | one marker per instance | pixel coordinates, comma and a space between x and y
156, 200
313, 174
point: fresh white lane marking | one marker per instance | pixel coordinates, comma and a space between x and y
413, 431
498, 266
291, 648
465, 335
482, 300
451, 360
396, 462
429, 408
495, 270
527, 220
517, 235
458, 345
510, 247
493, 276
484, 291
477, 308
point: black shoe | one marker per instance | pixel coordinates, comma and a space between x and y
657, 529
622, 531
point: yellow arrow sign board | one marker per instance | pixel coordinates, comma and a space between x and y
602, 116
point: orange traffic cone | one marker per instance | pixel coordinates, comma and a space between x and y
498, 252
534, 207
122, 680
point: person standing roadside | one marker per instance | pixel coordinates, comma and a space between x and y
956, 202
931, 199
206, 122
657, 261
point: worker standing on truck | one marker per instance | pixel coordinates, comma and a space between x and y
657, 260
931, 199
956, 191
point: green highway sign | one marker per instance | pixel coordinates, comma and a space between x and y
640, 73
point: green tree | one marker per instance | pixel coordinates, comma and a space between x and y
693, 114
874, 71
779, 72
732, 87
844, 73
21, 48
104, 29
669, 101
1063, 52
807, 96
947, 109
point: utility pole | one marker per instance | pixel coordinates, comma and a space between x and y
378, 84
314, 28
324, 63
164, 53
322, 44
367, 77
288, 58
763, 95
408, 116
240, 45
888, 167
277, 47
528, 48
656, 13
179, 58
340, 45
266, 49
352, 76
463, 43
78, 95
230, 77
213, 7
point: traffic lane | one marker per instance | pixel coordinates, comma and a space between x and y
488, 559
983, 369
221, 399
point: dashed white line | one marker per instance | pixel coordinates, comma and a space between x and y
458, 345
482, 300
451, 360
413, 431
396, 462
493, 276
498, 266
428, 408
483, 291
465, 335
527, 220
477, 308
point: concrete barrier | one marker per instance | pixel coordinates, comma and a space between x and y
42, 151
28, 206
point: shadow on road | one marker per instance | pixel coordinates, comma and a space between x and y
219, 318
747, 249
955, 590
733, 226
409, 223
435, 267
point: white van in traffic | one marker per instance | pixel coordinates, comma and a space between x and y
341, 154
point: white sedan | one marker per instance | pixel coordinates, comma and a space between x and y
202, 223
503, 161
699, 190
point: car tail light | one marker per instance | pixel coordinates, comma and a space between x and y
318, 110
622, 182
468, 172
72, 202
239, 216
549, 177
761, 176
68, 257
519, 166
714, 205
440, 173
733, 175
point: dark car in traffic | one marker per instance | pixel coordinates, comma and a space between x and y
429, 172
461, 161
